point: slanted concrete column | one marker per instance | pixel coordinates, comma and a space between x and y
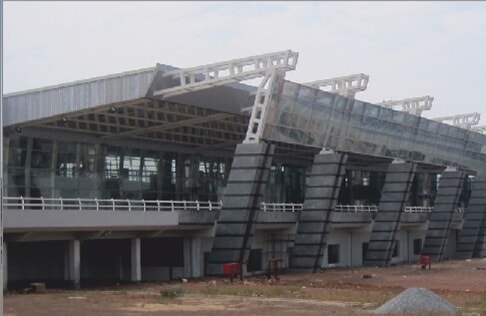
314, 223
394, 197
450, 187
473, 217
480, 247
136, 263
241, 204
74, 263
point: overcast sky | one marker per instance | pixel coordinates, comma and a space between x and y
408, 48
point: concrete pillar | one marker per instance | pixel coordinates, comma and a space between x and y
350, 248
192, 257
196, 257
244, 192
5, 266
394, 198
119, 266
480, 247
314, 223
474, 216
74, 263
187, 257
446, 201
136, 263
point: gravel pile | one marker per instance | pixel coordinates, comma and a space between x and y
416, 300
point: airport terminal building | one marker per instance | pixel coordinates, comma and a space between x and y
163, 173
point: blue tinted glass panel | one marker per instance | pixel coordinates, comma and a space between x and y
316, 118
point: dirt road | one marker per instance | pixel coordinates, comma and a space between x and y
332, 292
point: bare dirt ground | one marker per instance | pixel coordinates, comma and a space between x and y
331, 292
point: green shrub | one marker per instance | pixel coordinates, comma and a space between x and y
172, 292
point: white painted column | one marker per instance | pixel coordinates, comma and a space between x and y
5, 266
187, 257
75, 262
119, 265
196, 257
136, 262
193, 262
350, 249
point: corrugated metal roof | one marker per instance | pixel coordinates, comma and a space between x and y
45, 102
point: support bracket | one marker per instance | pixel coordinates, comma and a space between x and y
465, 121
346, 86
260, 107
221, 73
414, 106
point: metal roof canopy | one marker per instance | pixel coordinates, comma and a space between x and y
149, 120
124, 106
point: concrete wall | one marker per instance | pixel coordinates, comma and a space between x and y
196, 249
357, 237
351, 241
350, 247
339, 237
28, 220
408, 236
274, 243
451, 246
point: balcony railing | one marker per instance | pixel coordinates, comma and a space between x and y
296, 207
418, 209
82, 204
281, 207
427, 209
356, 208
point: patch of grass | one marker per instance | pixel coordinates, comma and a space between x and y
236, 291
281, 291
273, 291
171, 292
476, 306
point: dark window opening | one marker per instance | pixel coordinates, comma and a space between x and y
417, 246
333, 253
254, 260
396, 249
162, 252
364, 249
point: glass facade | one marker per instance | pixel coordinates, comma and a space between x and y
285, 184
47, 168
307, 116
361, 187
51, 169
